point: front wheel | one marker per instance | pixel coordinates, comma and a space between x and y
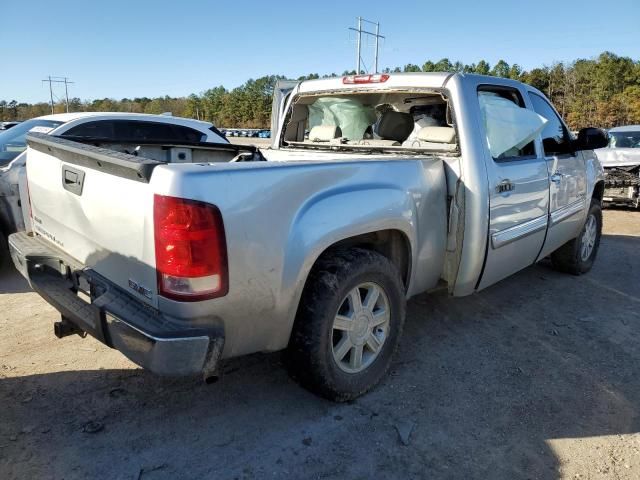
348, 324
577, 256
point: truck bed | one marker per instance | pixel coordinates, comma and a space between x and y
278, 215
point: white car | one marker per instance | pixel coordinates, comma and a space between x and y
103, 127
109, 126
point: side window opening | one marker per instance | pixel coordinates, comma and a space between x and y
509, 126
555, 136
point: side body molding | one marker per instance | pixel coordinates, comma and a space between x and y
511, 234
567, 211
506, 236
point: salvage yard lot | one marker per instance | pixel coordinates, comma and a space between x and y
536, 377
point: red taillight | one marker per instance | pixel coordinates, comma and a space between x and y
374, 78
191, 250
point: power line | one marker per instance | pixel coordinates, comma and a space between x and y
53, 80
376, 35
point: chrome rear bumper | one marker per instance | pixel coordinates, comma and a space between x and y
162, 344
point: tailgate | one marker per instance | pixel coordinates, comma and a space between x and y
97, 206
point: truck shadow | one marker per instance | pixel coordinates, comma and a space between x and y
487, 386
12, 282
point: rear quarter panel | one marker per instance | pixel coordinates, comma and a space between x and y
279, 217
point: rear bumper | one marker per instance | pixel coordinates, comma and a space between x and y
162, 344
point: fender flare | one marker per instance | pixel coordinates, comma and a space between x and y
334, 216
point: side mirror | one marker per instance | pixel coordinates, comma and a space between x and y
591, 138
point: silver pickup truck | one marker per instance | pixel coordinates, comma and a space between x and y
376, 188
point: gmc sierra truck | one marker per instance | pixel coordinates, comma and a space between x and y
375, 188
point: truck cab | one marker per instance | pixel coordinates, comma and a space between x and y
532, 181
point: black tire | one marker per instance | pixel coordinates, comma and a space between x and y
309, 356
568, 258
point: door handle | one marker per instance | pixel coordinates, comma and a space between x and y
556, 177
72, 180
505, 186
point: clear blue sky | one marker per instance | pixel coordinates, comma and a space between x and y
132, 48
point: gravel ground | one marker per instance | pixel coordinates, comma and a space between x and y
535, 377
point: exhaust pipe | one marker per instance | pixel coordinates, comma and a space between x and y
212, 371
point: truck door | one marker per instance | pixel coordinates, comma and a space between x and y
518, 184
567, 175
281, 92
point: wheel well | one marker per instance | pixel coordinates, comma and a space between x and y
598, 191
393, 244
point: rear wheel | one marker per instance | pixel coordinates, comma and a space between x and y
577, 256
348, 324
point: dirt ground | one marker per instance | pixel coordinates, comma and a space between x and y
536, 377
258, 142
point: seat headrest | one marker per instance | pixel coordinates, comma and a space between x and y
324, 133
394, 126
437, 134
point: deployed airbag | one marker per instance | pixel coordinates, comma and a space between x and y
507, 125
324, 133
350, 115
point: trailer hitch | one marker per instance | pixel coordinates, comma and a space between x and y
64, 328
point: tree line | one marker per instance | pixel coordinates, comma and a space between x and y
602, 91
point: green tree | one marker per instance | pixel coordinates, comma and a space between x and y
515, 72
311, 76
428, 66
444, 65
501, 69
12, 108
483, 68
410, 67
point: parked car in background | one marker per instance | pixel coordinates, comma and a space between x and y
621, 162
264, 134
105, 125
421, 180
105, 129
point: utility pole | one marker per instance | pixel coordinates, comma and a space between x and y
53, 80
359, 48
66, 92
376, 35
51, 93
375, 68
